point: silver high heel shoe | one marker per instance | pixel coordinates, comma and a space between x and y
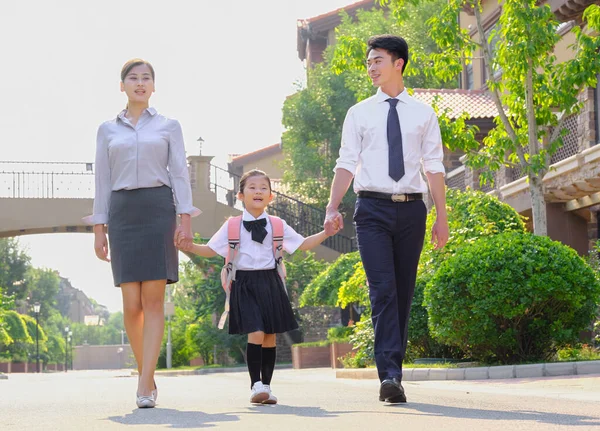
155, 392
145, 401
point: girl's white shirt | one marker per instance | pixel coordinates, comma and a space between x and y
254, 255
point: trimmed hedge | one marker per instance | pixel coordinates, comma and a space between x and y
471, 215
512, 297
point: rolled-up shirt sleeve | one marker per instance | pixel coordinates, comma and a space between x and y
179, 174
432, 149
102, 182
351, 145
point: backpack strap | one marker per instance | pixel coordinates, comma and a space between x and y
230, 268
233, 238
277, 226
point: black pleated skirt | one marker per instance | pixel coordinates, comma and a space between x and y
259, 302
141, 227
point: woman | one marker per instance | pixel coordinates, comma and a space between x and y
142, 184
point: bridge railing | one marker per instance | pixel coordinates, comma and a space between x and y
305, 219
31, 180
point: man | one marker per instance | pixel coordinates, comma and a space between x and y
385, 141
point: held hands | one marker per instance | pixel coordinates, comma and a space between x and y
183, 238
334, 222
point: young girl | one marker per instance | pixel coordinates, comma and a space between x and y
142, 186
259, 305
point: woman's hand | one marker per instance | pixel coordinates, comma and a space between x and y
184, 245
101, 246
184, 239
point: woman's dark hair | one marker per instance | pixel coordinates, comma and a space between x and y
394, 45
133, 63
253, 173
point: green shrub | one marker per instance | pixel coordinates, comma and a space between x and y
512, 297
580, 352
340, 334
321, 343
471, 215
354, 289
363, 354
323, 289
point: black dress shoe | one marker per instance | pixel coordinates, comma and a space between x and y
391, 391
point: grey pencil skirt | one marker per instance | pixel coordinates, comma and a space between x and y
141, 226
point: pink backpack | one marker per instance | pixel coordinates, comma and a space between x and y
230, 268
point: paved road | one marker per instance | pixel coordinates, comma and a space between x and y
309, 400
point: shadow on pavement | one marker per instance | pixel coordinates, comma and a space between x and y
311, 412
173, 418
496, 415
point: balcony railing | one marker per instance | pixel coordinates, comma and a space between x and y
456, 179
303, 218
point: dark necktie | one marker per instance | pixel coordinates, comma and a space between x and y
257, 229
396, 158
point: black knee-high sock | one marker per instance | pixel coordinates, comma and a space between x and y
268, 363
254, 360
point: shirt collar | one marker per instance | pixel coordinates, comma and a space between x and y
382, 97
150, 110
249, 217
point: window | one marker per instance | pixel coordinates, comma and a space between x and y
492, 44
469, 76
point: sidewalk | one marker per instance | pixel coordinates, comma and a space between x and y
553, 369
482, 373
202, 371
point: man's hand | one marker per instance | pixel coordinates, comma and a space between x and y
439, 233
334, 222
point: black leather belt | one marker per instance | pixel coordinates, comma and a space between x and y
401, 197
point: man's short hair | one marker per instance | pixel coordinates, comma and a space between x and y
394, 45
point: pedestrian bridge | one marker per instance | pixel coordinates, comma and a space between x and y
53, 197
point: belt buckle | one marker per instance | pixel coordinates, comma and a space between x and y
399, 198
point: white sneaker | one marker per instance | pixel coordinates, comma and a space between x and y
259, 394
272, 398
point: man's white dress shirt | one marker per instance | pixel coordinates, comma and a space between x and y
364, 150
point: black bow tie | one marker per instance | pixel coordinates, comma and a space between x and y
257, 228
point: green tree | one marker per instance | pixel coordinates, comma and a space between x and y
313, 117
43, 286
14, 263
16, 328
6, 303
301, 268
533, 92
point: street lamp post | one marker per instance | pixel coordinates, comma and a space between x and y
36, 309
169, 311
71, 347
66, 347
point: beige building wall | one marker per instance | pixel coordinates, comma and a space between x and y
270, 164
112, 357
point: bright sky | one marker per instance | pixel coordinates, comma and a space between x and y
223, 70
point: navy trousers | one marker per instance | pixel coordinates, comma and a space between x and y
390, 240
